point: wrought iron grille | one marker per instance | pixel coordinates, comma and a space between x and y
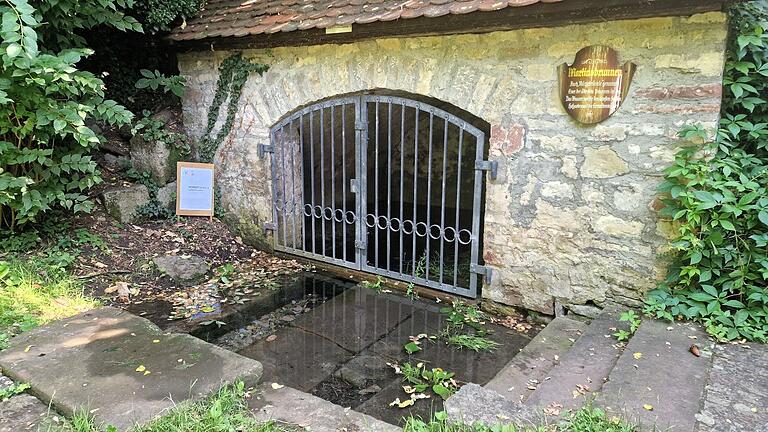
383, 184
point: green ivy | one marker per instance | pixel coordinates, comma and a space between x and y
233, 74
152, 210
154, 130
717, 198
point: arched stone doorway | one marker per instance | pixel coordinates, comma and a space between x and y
387, 183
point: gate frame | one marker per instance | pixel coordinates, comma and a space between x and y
359, 187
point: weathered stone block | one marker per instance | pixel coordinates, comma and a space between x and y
121, 203
602, 163
184, 269
166, 196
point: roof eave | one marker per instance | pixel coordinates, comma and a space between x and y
533, 16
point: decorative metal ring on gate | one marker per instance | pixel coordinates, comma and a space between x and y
328, 216
469, 236
307, 212
392, 224
289, 206
278, 206
338, 215
426, 229
439, 231
346, 217
317, 212
378, 222
370, 217
402, 227
445, 234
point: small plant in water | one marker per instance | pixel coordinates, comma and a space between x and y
411, 293
634, 323
376, 286
475, 343
465, 328
419, 380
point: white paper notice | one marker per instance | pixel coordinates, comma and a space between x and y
195, 189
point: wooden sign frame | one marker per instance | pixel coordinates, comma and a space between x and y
179, 167
594, 87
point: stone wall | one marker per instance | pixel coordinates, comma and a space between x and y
572, 217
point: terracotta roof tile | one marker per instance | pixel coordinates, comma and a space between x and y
237, 18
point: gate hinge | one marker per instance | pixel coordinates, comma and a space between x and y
482, 270
491, 166
269, 226
263, 149
359, 244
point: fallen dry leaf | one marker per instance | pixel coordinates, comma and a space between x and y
141, 368
648, 407
637, 355
276, 386
271, 338
694, 349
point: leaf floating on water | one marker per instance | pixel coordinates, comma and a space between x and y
405, 403
412, 347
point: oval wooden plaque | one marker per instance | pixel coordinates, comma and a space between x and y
595, 85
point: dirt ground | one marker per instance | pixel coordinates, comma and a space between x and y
122, 272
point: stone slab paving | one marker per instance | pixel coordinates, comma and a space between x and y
90, 361
294, 407
378, 405
737, 391
587, 363
536, 359
657, 369
473, 403
356, 318
297, 358
23, 413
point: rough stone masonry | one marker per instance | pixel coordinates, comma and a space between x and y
572, 218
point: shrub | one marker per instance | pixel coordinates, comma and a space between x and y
45, 104
718, 200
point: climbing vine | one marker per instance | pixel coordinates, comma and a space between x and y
233, 74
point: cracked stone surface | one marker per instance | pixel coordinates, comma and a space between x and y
737, 391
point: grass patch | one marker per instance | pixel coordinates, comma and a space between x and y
36, 290
586, 419
225, 411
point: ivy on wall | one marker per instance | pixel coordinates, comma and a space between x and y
233, 74
719, 204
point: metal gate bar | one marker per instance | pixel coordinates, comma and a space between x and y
423, 238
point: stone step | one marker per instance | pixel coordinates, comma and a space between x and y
473, 403
584, 368
308, 412
119, 367
657, 381
742, 407
532, 364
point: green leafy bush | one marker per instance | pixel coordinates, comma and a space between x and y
155, 80
717, 198
162, 15
45, 102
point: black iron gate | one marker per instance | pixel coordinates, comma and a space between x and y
382, 184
